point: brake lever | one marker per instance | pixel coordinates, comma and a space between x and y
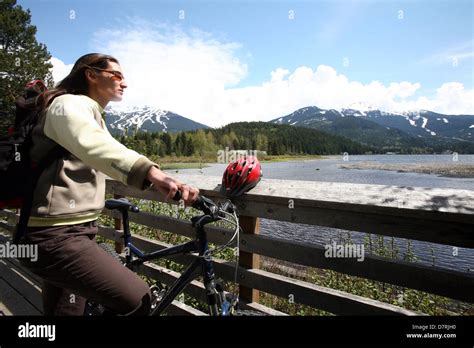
229, 207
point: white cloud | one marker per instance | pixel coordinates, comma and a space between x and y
59, 70
196, 75
165, 67
452, 98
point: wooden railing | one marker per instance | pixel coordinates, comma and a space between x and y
444, 216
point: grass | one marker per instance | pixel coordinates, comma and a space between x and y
284, 158
193, 162
190, 165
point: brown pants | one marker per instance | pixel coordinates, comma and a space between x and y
74, 268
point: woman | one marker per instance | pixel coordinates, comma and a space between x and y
70, 193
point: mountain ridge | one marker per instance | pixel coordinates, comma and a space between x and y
387, 129
147, 119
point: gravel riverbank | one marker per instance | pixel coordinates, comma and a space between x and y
454, 170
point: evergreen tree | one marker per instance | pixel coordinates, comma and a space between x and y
161, 149
261, 142
201, 141
184, 142
189, 147
177, 146
166, 138
211, 145
22, 58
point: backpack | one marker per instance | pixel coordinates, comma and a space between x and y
18, 173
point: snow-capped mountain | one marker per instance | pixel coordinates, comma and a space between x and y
147, 119
364, 125
428, 124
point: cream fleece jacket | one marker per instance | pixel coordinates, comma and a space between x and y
72, 189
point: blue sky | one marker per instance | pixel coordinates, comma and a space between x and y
389, 54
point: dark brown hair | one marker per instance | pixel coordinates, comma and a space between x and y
76, 82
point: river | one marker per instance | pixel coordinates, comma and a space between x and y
327, 169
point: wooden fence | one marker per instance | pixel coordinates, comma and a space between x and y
443, 216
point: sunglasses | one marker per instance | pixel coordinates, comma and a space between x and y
116, 75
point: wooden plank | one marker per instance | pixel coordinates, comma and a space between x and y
248, 277
356, 197
216, 235
453, 284
424, 229
404, 200
26, 273
250, 226
12, 302
330, 300
436, 215
27, 286
7, 227
435, 280
418, 229
179, 308
327, 299
28, 289
456, 285
118, 225
261, 308
4, 311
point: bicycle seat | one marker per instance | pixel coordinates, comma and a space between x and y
121, 204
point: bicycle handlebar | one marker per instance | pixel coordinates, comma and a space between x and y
202, 203
206, 205
121, 204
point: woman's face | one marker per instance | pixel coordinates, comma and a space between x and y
107, 84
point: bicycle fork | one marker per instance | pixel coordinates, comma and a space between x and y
214, 300
214, 296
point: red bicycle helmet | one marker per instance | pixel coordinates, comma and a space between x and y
241, 176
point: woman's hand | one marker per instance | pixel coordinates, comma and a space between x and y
169, 186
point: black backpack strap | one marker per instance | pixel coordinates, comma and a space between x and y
56, 153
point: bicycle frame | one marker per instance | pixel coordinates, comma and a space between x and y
199, 245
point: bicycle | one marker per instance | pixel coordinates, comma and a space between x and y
218, 302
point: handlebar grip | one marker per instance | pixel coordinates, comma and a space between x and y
121, 204
177, 196
199, 204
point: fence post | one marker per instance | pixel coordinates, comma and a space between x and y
250, 225
118, 225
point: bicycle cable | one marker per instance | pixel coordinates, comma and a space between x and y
210, 252
236, 254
